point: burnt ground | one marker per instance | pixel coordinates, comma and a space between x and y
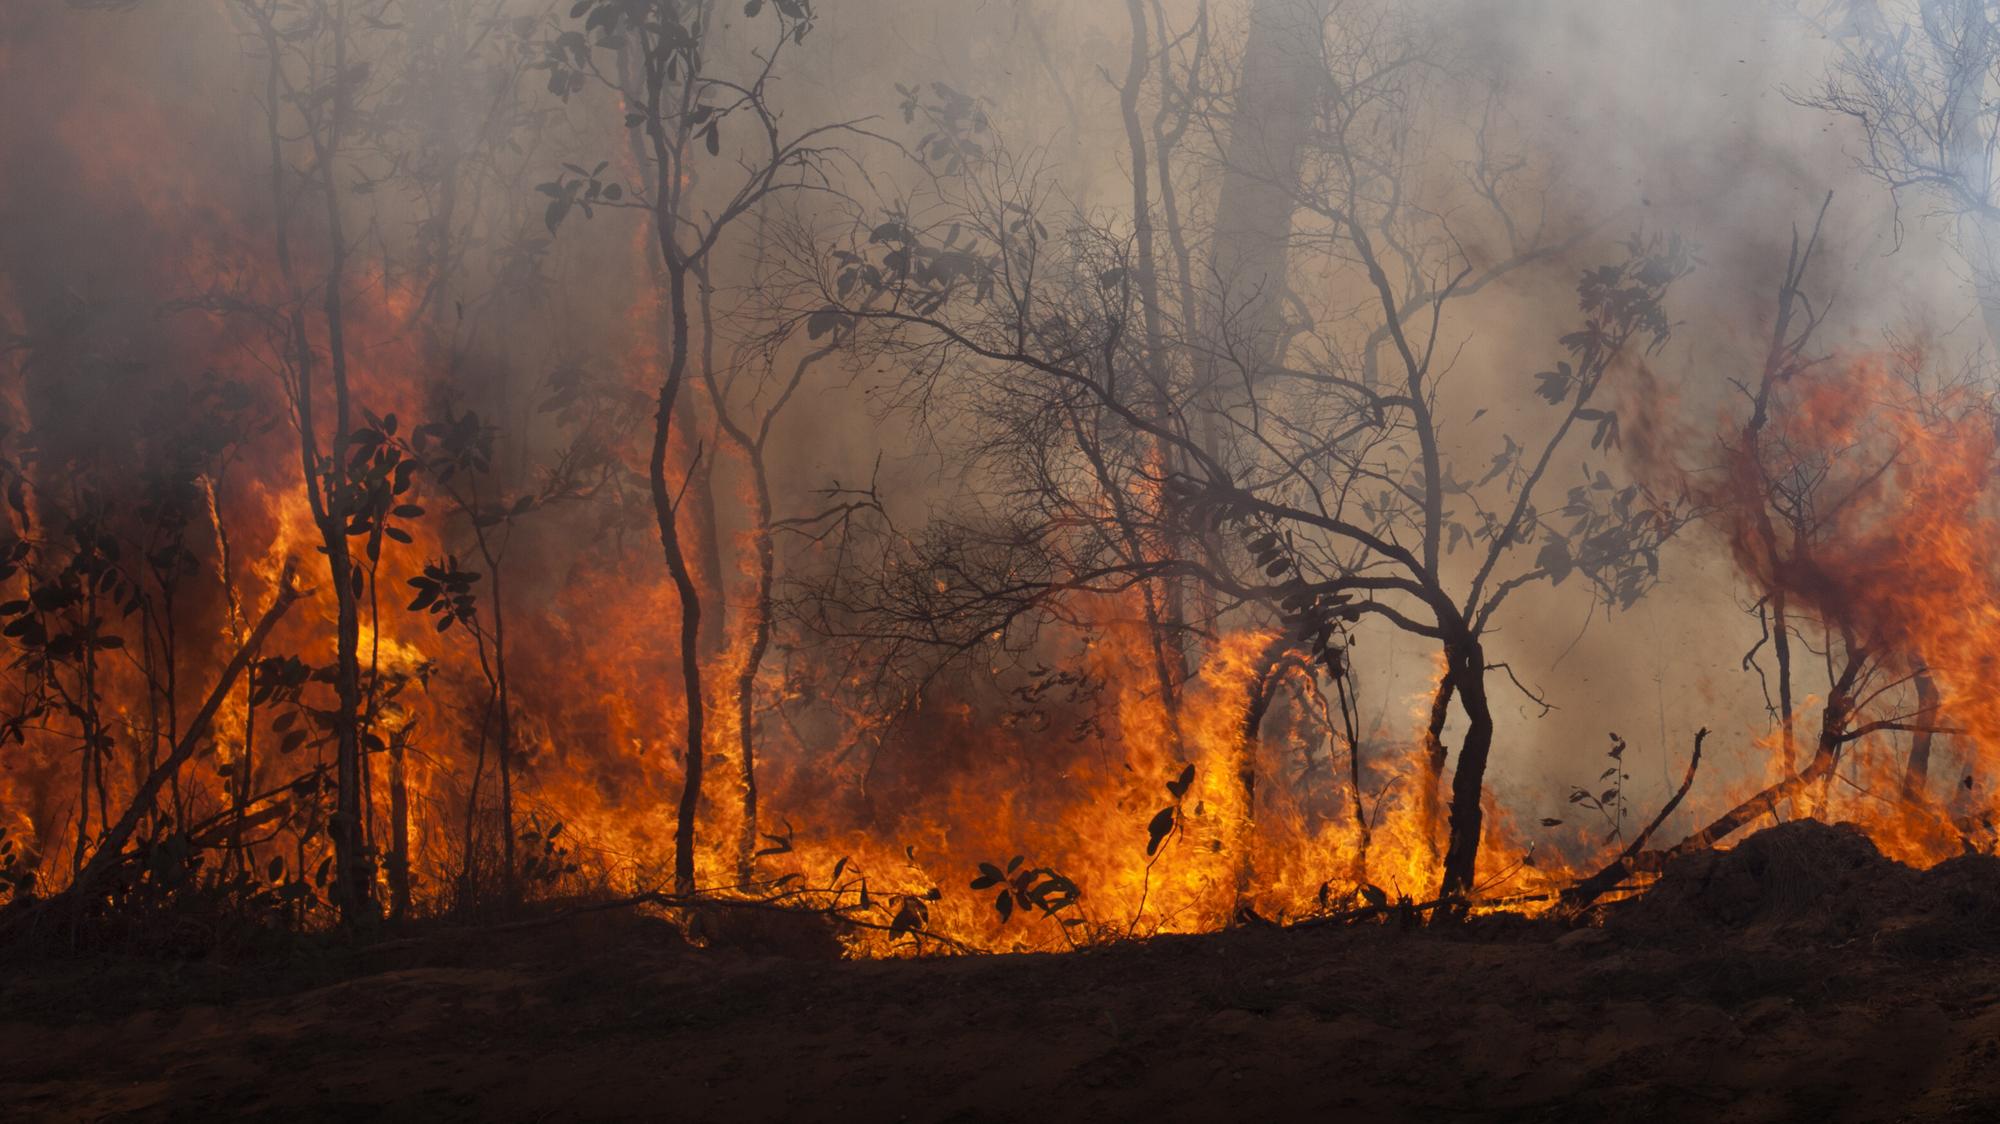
1796, 978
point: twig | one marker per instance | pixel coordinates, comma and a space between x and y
1666, 810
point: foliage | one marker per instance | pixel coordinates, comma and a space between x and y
1038, 888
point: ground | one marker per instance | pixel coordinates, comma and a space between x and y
612, 1016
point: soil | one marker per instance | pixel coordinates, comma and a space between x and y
1797, 977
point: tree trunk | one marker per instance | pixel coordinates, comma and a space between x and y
1781, 643
1263, 688
398, 859
1350, 729
510, 873
353, 886
759, 623
1917, 774
1429, 813
1253, 216
1467, 667
677, 566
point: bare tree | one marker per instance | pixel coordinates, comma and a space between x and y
1917, 77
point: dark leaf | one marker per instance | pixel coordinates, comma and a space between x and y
1156, 830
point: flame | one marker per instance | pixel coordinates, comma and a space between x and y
902, 805
1889, 546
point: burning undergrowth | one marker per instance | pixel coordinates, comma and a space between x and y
401, 519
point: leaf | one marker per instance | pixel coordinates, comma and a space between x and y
1157, 829
1179, 786
1550, 821
1005, 904
911, 918
824, 321
1554, 558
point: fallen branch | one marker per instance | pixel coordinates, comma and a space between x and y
1629, 860
1687, 782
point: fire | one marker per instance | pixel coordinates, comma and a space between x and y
1062, 774
1884, 485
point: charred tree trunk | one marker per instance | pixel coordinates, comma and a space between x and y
324, 481
758, 621
1263, 689
503, 703
1350, 729
499, 712
353, 877
677, 566
1781, 644
468, 878
1916, 775
239, 786
1429, 812
1467, 667
1163, 608
757, 614
398, 859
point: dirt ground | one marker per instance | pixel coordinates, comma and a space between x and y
1782, 1015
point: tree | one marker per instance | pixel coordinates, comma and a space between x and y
1915, 76
683, 97
1844, 494
355, 478
1333, 476
457, 453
